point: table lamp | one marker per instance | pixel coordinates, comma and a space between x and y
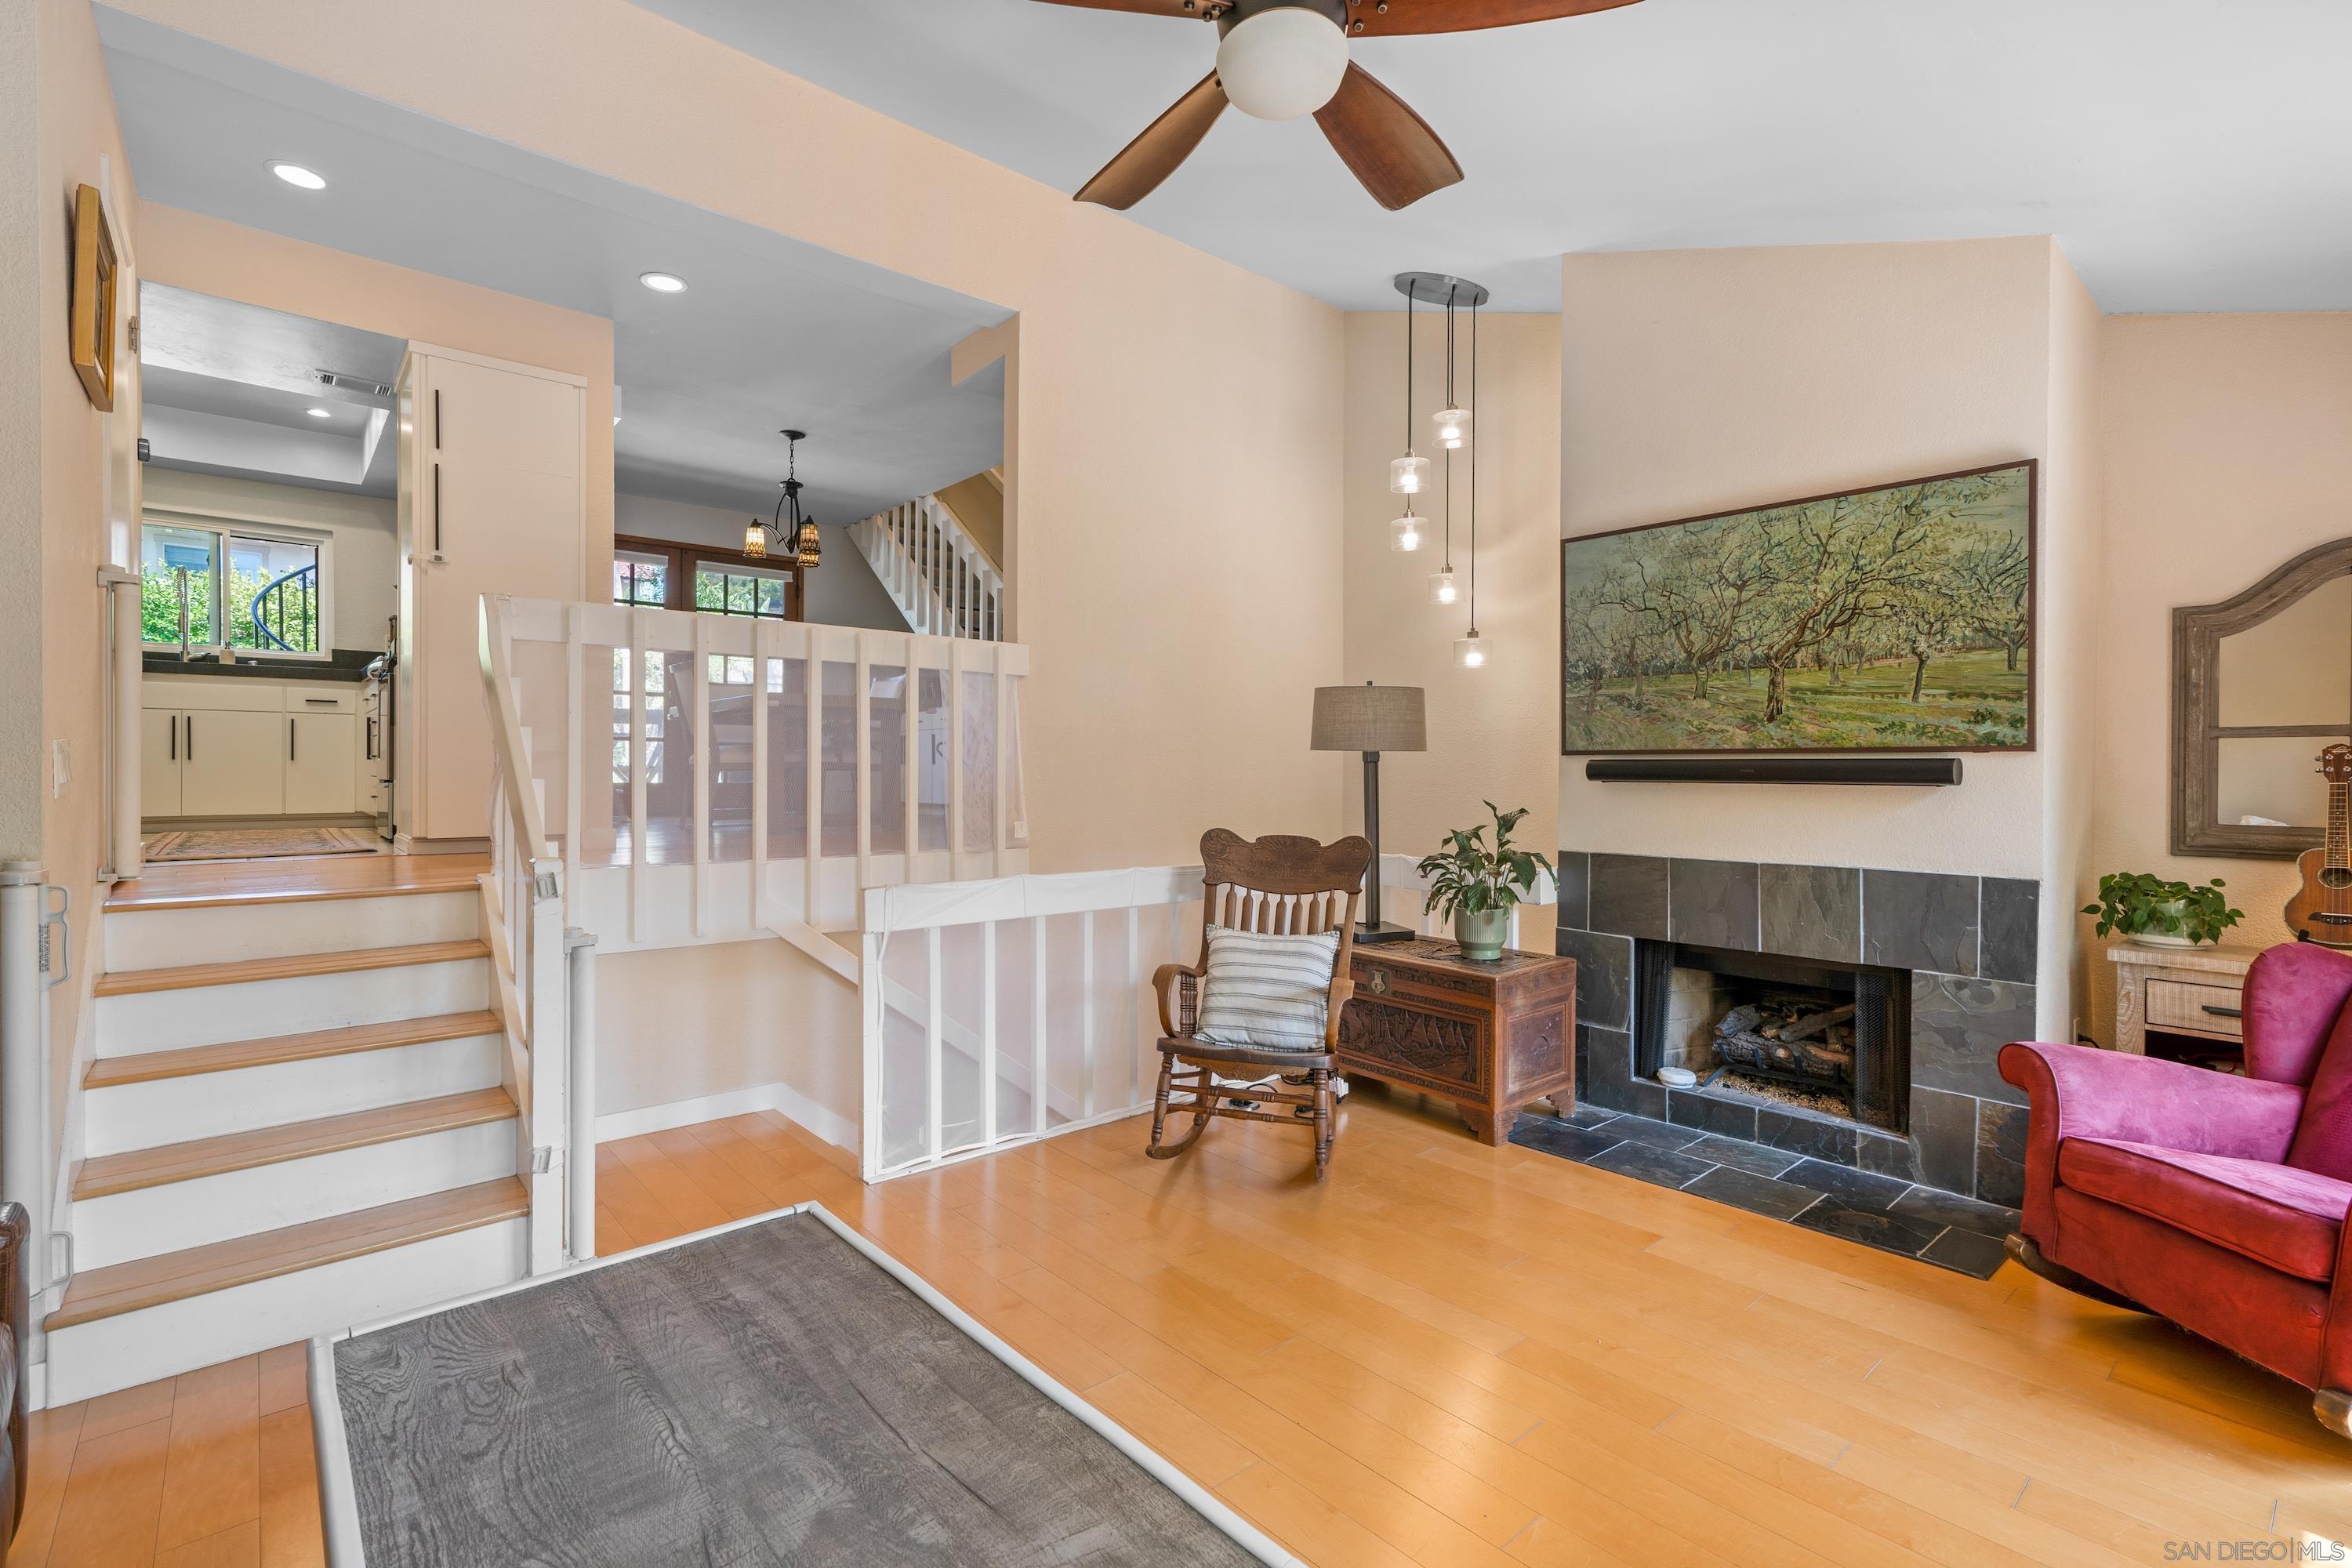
1371, 720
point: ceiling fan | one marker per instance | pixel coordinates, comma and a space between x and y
1278, 59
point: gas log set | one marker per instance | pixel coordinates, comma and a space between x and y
1793, 1038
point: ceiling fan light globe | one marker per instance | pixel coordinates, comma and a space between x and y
1283, 62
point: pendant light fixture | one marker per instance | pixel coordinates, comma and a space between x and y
1468, 651
1452, 427
798, 538
1408, 475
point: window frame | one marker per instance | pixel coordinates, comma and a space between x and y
225, 527
684, 559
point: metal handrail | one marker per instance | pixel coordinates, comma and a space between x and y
277, 589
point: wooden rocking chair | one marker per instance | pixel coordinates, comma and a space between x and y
1272, 885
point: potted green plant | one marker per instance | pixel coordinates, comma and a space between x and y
1478, 885
2157, 913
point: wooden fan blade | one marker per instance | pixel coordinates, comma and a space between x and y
1402, 16
1151, 157
1193, 10
1383, 142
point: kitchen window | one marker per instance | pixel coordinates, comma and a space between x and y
259, 593
740, 591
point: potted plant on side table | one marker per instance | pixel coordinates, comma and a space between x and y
2154, 912
1478, 885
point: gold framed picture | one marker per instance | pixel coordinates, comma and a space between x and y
92, 336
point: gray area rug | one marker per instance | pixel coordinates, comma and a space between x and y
767, 1395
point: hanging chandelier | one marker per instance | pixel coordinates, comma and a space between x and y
798, 538
1450, 433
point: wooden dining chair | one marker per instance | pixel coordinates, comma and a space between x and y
1275, 886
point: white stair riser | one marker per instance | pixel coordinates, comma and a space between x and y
160, 939
180, 1214
255, 1009
207, 1104
131, 1348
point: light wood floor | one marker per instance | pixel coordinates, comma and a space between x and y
1445, 1355
194, 884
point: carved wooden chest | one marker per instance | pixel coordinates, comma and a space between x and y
1488, 1036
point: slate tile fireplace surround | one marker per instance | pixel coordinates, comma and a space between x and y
1967, 943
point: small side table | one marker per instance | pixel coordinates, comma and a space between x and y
2195, 991
1488, 1036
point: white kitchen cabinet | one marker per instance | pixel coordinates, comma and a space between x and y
248, 746
321, 764
492, 500
159, 762
232, 764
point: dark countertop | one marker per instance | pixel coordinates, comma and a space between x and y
347, 664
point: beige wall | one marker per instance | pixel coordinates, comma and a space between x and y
75, 110
1177, 460
1698, 381
362, 590
2226, 452
1493, 732
687, 1022
977, 504
188, 250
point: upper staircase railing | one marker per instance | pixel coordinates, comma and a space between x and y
713, 778
291, 597
938, 575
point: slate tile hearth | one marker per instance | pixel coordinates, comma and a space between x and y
1885, 1211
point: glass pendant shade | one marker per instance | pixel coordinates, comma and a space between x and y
812, 548
755, 540
1406, 534
1408, 475
1442, 589
1453, 428
1470, 652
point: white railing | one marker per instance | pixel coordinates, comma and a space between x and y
1002, 1011
523, 897
714, 778
939, 577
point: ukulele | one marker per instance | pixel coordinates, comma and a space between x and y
2321, 909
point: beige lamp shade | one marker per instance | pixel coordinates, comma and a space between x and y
1368, 719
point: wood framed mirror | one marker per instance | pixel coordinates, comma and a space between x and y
2260, 682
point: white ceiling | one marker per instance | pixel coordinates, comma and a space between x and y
228, 388
2189, 154
771, 333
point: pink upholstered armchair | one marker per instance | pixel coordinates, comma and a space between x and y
2217, 1201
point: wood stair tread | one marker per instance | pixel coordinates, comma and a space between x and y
129, 982
218, 1266
105, 1174
193, 884
144, 1067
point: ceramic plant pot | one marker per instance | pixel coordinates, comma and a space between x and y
1481, 934
2163, 938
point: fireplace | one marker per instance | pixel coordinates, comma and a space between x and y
1809, 1036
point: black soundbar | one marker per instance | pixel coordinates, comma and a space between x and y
1774, 770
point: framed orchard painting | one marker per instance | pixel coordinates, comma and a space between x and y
1898, 618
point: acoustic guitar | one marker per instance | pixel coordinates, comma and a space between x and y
2321, 909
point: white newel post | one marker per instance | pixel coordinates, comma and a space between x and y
549, 992
126, 849
580, 1083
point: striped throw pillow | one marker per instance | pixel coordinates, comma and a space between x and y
1268, 992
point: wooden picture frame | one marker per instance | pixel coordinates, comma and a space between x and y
2197, 631
91, 334
1998, 502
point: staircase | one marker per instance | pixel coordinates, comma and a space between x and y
938, 575
298, 1119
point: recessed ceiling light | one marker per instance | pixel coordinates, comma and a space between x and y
295, 174
319, 413
663, 282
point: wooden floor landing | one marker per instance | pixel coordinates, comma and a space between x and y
1445, 1355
